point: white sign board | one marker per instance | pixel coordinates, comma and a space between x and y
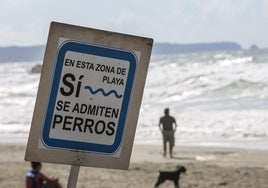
89, 97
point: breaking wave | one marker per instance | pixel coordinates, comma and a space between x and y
213, 96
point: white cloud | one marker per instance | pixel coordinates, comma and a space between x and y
167, 21
125, 18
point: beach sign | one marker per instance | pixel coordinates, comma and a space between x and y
89, 97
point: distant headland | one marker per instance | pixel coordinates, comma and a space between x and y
36, 53
27, 53
167, 48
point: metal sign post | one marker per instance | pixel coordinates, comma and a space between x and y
73, 176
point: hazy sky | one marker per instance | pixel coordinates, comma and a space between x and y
26, 22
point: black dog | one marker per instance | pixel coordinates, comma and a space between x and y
170, 175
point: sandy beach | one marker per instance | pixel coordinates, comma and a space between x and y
206, 167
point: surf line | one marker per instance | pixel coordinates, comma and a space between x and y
103, 92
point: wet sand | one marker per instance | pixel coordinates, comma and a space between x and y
206, 167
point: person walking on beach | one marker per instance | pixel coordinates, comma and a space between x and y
36, 179
168, 125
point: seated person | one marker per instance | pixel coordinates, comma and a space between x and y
35, 179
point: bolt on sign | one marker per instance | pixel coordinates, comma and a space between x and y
89, 97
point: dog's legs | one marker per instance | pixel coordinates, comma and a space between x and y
159, 181
176, 183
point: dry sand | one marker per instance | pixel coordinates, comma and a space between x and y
206, 167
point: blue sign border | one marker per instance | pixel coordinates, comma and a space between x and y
98, 51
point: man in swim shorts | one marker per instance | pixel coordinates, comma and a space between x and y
167, 125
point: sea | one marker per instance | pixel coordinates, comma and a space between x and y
217, 98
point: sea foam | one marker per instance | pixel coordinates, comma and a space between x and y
215, 97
